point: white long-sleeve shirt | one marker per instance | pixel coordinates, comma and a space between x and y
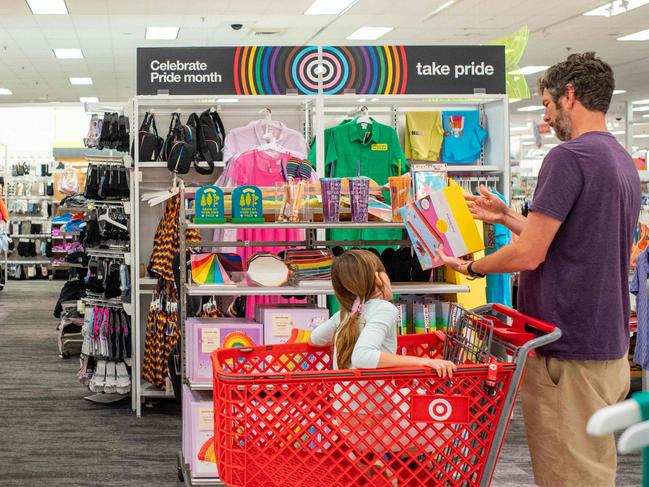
378, 334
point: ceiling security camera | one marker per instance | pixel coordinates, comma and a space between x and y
236, 26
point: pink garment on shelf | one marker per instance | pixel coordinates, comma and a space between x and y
261, 169
244, 138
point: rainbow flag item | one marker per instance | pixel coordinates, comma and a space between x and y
206, 453
207, 269
441, 220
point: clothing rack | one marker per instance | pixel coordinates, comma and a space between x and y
104, 303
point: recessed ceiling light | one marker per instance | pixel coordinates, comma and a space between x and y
532, 108
68, 53
81, 81
619, 92
641, 136
88, 99
643, 35
330, 7
641, 109
529, 70
369, 33
640, 102
161, 33
5, 91
611, 9
47, 7
227, 100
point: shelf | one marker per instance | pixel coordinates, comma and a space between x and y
148, 281
28, 262
163, 165
474, 168
30, 197
298, 226
68, 265
318, 287
31, 235
148, 390
200, 386
24, 218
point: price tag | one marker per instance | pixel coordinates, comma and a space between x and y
210, 339
281, 324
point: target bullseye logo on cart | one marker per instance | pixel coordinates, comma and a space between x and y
439, 409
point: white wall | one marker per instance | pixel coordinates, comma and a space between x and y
32, 131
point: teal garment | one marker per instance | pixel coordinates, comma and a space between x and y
463, 136
499, 286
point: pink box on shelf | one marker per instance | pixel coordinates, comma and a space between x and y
198, 433
278, 319
208, 334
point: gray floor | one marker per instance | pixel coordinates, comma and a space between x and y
50, 436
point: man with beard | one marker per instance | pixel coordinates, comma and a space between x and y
573, 254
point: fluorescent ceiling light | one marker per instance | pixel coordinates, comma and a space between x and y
68, 53
640, 102
641, 136
81, 81
227, 100
361, 100
369, 33
89, 99
374, 99
161, 33
439, 9
645, 116
330, 7
618, 92
618, 132
522, 127
643, 35
514, 100
611, 9
641, 109
532, 108
5, 91
550, 146
527, 143
526, 136
529, 70
45, 7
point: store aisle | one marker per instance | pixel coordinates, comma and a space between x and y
50, 436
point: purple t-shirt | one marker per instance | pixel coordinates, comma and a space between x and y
591, 185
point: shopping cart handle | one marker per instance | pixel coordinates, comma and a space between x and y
520, 320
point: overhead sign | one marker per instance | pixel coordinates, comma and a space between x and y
280, 70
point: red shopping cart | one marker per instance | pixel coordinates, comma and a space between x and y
283, 417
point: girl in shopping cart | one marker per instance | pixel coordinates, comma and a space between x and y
364, 336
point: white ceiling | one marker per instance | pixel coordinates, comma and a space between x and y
108, 31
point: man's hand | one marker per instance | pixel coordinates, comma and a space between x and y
489, 208
457, 264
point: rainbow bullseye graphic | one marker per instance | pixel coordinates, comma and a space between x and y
268, 70
237, 339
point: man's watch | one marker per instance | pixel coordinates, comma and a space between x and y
471, 272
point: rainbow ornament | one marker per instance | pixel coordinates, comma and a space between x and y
207, 453
206, 269
272, 70
237, 339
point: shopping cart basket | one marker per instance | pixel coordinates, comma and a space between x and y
283, 417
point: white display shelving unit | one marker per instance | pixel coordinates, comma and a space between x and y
309, 115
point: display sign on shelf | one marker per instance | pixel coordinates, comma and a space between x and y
247, 205
210, 205
282, 70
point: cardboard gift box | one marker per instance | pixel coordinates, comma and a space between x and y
198, 433
278, 320
207, 334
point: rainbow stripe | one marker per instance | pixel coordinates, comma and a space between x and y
273, 70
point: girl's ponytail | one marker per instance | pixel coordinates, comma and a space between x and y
348, 332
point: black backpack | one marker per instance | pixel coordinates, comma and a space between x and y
149, 143
213, 134
202, 151
180, 146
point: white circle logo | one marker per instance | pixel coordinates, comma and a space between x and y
425, 203
440, 409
